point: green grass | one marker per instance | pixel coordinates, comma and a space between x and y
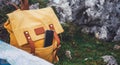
86, 46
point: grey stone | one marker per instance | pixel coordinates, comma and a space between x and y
102, 14
102, 33
63, 8
117, 37
15, 1
116, 47
34, 6
110, 60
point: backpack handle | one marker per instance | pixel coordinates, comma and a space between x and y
24, 5
55, 34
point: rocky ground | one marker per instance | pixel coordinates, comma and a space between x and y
99, 17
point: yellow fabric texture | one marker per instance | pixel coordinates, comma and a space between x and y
28, 20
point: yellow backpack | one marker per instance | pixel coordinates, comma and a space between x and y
27, 31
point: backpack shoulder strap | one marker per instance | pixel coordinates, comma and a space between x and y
24, 5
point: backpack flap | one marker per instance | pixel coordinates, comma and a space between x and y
36, 22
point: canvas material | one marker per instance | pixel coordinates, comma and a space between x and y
18, 22
28, 20
45, 53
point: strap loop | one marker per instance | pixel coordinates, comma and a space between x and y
27, 35
24, 5
55, 34
58, 42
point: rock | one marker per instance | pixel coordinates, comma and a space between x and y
34, 6
15, 1
94, 9
102, 14
110, 60
88, 30
117, 37
102, 34
85, 30
89, 58
118, 8
63, 8
116, 47
68, 54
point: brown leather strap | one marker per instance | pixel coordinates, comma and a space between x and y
57, 38
27, 35
29, 40
58, 42
55, 54
24, 5
55, 34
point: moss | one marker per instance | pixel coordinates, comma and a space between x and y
85, 46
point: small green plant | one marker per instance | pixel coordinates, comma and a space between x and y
70, 30
85, 50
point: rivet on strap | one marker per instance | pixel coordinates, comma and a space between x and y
29, 40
